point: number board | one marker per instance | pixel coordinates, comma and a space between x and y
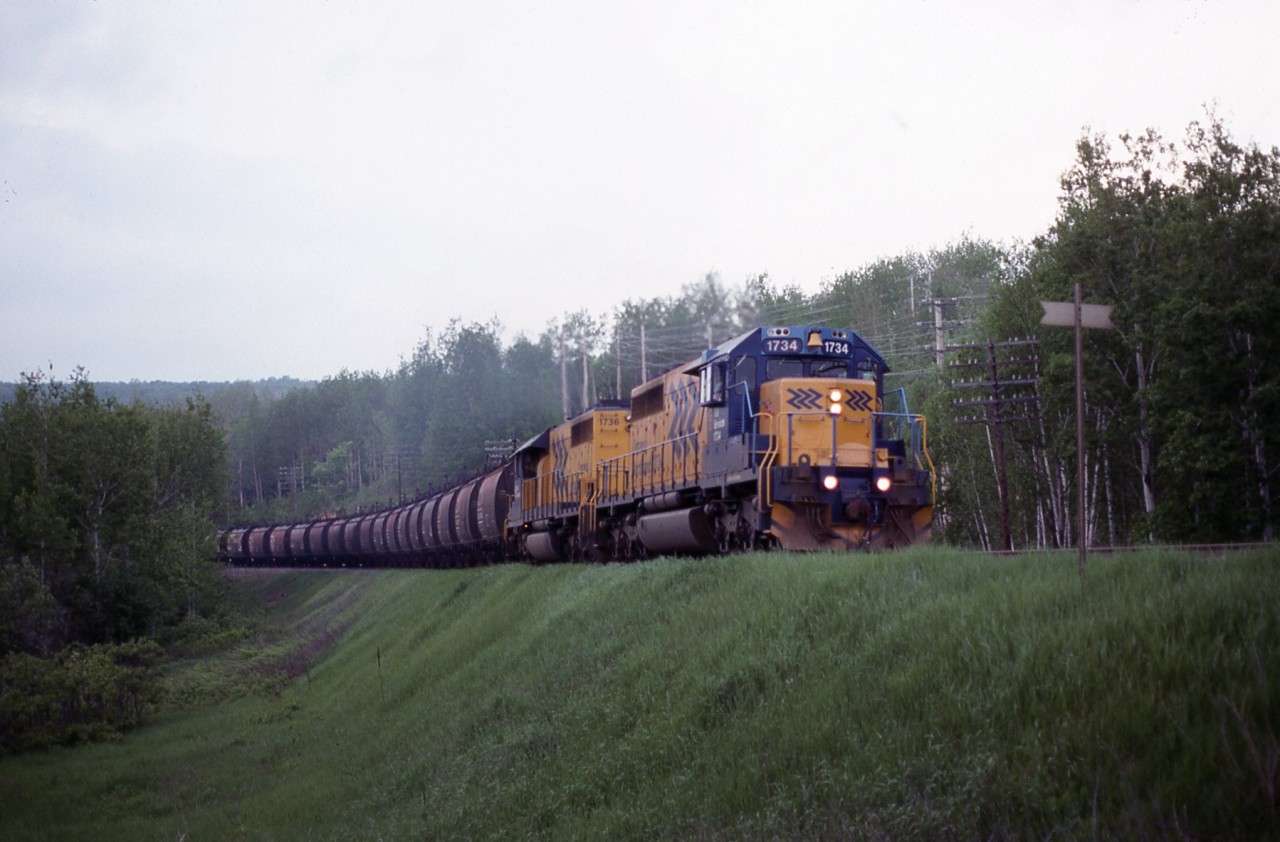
793, 345
782, 346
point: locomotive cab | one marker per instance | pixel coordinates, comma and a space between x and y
828, 467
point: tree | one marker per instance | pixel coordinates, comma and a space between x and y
578, 337
1182, 396
469, 402
105, 528
1219, 339
762, 302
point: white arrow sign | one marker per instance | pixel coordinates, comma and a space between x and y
1063, 314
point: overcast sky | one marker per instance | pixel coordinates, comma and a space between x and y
229, 190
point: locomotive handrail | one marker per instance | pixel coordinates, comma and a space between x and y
659, 478
611, 480
764, 499
917, 426
551, 491
746, 402
817, 415
916, 439
908, 427
924, 448
587, 511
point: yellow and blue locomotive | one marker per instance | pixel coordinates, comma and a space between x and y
777, 438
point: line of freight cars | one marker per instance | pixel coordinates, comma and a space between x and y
458, 527
777, 438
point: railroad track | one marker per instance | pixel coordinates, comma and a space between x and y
1207, 549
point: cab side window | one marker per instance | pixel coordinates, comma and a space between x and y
711, 385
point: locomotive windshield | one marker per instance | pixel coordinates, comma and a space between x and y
830, 368
779, 367
739, 367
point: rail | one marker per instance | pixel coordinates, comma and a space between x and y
1208, 551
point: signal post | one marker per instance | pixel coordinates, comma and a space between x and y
1080, 316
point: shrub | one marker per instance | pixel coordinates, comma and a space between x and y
82, 693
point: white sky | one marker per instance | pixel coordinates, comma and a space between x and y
243, 189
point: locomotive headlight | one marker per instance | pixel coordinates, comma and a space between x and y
837, 395
835, 409
831, 482
883, 484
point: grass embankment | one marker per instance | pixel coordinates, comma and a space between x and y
926, 694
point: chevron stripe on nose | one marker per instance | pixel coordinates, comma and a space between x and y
804, 399
858, 399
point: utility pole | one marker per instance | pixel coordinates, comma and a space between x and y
289, 480
497, 451
399, 456
938, 344
564, 378
940, 321
994, 407
644, 361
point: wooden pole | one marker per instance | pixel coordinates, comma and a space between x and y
1080, 538
644, 358
1002, 479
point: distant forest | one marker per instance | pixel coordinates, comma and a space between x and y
164, 392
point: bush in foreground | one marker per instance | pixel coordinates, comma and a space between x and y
82, 693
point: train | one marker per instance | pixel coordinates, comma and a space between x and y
777, 438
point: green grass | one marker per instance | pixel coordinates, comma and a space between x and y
926, 694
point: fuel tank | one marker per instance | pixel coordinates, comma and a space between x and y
683, 531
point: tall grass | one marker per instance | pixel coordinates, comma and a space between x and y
926, 694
